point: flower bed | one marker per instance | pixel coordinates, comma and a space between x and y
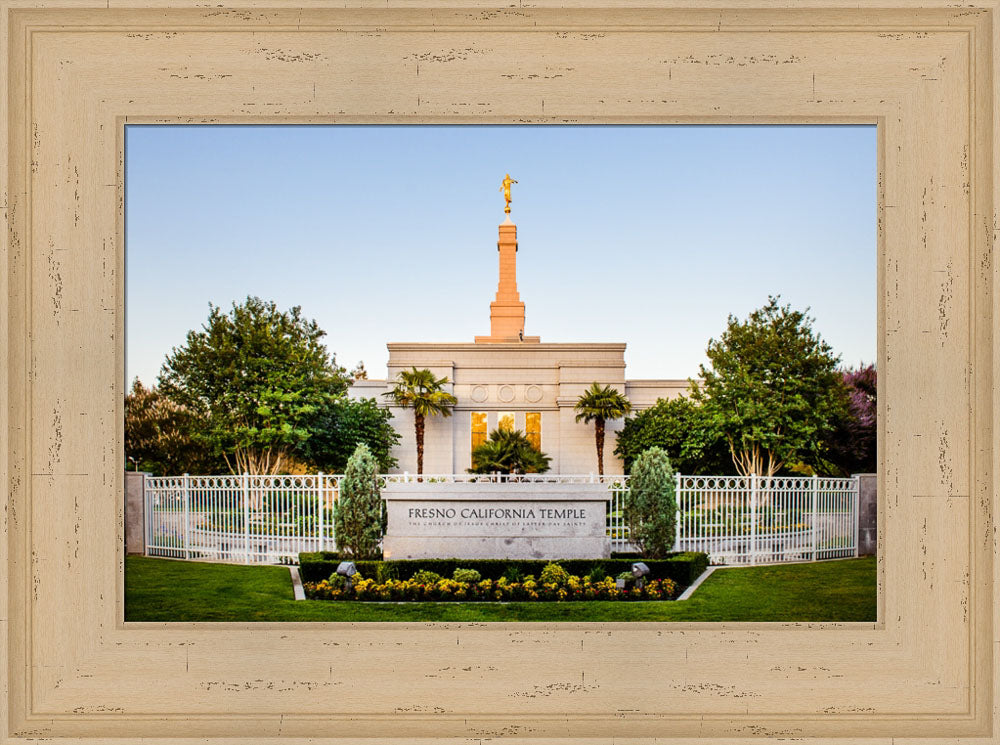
682, 568
489, 590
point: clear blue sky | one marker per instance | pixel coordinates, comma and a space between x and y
649, 235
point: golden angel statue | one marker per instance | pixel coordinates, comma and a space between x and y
506, 191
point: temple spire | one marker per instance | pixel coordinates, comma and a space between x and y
507, 310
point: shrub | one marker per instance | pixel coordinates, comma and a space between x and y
513, 574
508, 451
554, 574
384, 571
597, 573
337, 580
358, 522
650, 505
466, 575
424, 577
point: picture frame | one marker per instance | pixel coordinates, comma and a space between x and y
78, 71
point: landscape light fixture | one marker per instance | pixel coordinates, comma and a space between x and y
347, 569
639, 571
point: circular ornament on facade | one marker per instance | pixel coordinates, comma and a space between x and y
506, 394
533, 394
480, 394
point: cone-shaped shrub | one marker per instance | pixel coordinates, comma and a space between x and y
359, 523
650, 503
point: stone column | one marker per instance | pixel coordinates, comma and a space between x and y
135, 512
867, 513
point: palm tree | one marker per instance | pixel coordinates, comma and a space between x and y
508, 451
597, 405
421, 390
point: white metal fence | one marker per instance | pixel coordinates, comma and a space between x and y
758, 519
271, 519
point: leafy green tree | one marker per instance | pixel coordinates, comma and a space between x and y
684, 430
851, 446
773, 389
359, 521
508, 451
650, 504
425, 394
159, 436
599, 404
258, 377
343, 425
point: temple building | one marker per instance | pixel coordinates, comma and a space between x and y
508, 379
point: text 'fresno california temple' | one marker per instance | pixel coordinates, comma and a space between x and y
511, 380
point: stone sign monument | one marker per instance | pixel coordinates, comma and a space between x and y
496, 521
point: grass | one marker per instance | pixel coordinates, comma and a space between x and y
166, 590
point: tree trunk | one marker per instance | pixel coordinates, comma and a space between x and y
599, 435
418, 426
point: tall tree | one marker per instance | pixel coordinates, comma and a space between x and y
599, 404
773, 389
508, 451
345, 424
684, 430
851, 446
160, 435
425, 394
258, 377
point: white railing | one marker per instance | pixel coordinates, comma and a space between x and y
758, 519
271, 519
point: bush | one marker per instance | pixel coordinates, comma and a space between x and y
650, 504
358, 521
597, 573
425, 577
466, 575
554, 574
384, 571
513, 574
337, 580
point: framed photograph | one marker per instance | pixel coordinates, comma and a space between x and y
79, 75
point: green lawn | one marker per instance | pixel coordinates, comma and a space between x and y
166, 590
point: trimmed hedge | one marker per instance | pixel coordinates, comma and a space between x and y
683, 568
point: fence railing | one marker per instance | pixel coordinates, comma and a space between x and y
759, 519
271, 519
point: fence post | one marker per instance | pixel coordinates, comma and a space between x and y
815, 507
753, 519
320, 507
187, 517
856, 504
246, 517
677, 516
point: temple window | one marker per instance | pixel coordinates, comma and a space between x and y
478, 428
533, 428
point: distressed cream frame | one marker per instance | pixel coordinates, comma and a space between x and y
78, 70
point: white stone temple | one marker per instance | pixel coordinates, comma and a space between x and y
511, 380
